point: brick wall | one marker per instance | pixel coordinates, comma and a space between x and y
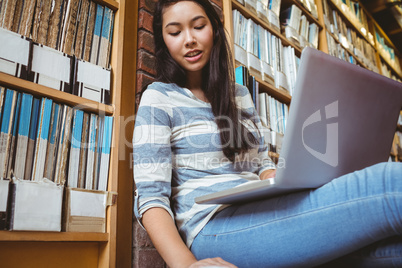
144, 254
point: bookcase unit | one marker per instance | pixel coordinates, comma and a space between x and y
366, 35
84, 249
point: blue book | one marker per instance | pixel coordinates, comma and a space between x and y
105, 36
239, 75
97, 34
6, 129
32, 138
75, 147
23, 131
105, 153
42, 136
52, 141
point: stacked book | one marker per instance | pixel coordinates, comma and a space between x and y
272, 113
43, 139
82, 28
298, 29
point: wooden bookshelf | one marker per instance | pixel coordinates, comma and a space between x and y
72, 249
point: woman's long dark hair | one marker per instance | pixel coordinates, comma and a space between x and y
218, 80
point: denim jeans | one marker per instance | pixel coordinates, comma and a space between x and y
353, 221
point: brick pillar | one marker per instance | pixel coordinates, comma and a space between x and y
144, 254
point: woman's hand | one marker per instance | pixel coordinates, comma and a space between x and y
267, 174
213, 262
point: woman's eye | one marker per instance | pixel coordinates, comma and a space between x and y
199, 27
175, 33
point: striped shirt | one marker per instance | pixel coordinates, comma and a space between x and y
177, 155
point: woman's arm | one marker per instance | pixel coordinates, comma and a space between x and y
166, 239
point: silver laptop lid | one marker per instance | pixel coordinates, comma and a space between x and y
342, 118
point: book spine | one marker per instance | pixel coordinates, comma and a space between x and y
44, 21
54, 23
42, 137
17, 15
98, 152
89, 174
105, 153
23, 131
81, 26
105, 35
70, 28
76, 136
11, 158
6, 128
32, 139
89, 30
27, 17
53, 137
97, 34
83, 152
8, 16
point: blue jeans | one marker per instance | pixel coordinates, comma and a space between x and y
353, 221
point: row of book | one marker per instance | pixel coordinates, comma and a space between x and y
356, 14
25, 59
387, 52
298, 29
348, 38
267, 10
82, 28
272, 113
43, 139
263, 53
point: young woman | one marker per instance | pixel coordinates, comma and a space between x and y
197, 132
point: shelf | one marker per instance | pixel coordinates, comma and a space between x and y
279, 94
305, 11
249, 15
13, 236
349, 22
347, 49
109, 3
58, 96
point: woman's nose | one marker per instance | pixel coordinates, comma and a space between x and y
190, 40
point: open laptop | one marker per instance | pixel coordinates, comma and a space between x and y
342, 118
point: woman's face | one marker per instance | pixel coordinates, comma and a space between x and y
188, 35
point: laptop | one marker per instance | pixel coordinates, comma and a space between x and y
342, 118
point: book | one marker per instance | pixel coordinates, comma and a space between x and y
8, 15
70, 26
14, 134
93, 130
109, 48
98, 151
54, 23
105, 153
81, 27
105, 36
43, 21
27, 17
6, 129
89, 30
42, 137
54, 133
17, 14
75, 149
83, 152
63, 146
23, 132
97, 33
